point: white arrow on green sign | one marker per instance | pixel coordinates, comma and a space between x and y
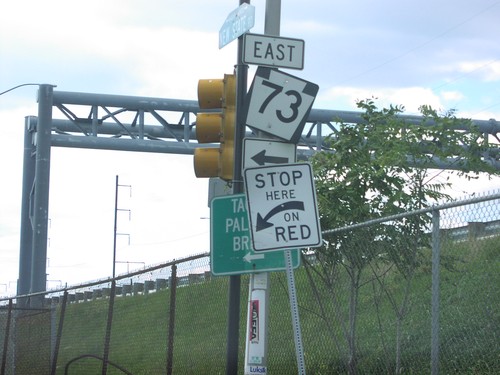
231, 246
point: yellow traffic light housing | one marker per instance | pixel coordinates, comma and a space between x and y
212, 127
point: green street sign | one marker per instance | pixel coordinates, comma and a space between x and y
231, 251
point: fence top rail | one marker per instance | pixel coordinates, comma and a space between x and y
421, 211
438, 207
109, 279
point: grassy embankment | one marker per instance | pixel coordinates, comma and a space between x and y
469, 320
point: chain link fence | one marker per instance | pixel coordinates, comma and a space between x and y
412, 294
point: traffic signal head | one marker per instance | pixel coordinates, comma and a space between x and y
213, 127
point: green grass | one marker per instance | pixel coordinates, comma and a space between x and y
469, 324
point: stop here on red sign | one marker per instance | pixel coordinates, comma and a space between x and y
282, 207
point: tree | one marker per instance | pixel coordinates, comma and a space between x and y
377, 168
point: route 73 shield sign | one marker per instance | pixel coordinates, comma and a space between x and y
279, 103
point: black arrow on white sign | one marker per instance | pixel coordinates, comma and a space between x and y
262, 222
261, 159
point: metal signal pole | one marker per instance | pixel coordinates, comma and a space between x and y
235, 280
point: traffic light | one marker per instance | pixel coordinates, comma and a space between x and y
212, 127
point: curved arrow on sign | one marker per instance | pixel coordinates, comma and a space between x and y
262, 222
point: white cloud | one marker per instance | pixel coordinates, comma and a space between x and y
311, 27
488, 71
484, 70
452, 95
172, 68
111, 46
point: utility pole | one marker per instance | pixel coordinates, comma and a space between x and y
115, 228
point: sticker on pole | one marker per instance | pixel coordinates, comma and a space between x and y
282, 207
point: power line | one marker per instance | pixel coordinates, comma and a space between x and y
487, 107
465, 74
22, 85
419, 46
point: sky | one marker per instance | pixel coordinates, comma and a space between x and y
441, 53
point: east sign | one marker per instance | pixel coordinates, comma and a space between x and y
272, 51
282, 207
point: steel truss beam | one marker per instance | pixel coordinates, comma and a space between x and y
117, 122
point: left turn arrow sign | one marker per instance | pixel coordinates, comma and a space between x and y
259, 152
